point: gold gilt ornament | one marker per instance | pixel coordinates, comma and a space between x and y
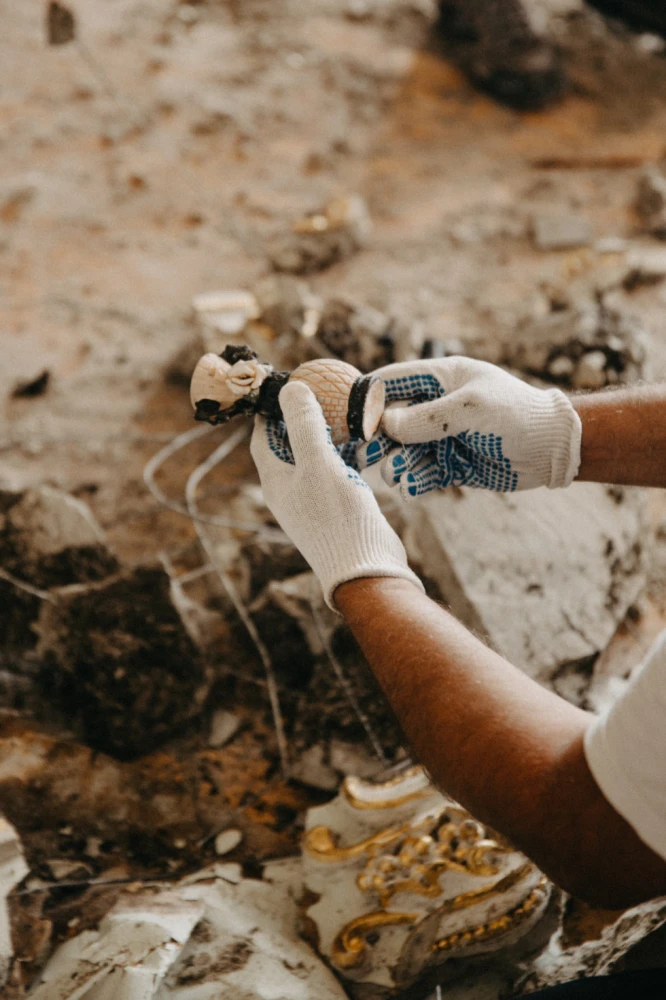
405, 878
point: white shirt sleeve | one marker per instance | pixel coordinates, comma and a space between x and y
626, 750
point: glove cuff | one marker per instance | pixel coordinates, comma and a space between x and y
376, 552
555, 438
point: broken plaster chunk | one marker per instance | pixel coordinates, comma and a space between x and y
127, 958
223, 727
120, 659
247, 945
560, 232
368, 857
227, 312
12, 869
227, 841
572, 561
590, 372
601, 956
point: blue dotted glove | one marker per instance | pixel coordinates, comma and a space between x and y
325, 507
469, 423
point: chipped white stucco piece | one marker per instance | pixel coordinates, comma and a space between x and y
214, 934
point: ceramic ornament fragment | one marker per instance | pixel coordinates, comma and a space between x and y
400, 878
237, 382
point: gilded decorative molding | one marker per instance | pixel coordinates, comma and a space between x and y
351, 944
393, 898
501, 925
407, 787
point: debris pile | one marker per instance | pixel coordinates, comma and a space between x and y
323, 237
588, 347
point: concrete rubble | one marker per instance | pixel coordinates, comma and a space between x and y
560, 231
572, 561
579, 345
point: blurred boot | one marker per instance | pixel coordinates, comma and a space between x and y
493, 43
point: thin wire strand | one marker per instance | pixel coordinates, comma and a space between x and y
202, 470
342, 679
43, 595
164, 454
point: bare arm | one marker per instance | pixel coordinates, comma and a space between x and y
624, 436
506, 748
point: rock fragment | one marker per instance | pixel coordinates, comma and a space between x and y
561, 232
227, 841
590, 372
572, 561
223, 727
119, 658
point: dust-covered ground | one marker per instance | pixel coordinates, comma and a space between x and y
154, 159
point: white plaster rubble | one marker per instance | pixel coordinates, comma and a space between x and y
214, 934
570, 560
12, 869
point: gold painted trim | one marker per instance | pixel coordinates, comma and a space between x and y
494, 928
321, 844
351, 788
350, 945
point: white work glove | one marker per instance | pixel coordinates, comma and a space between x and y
470, 423
327, 510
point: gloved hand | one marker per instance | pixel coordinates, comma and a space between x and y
470, 423
324, 506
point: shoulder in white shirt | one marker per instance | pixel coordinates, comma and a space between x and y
626, 750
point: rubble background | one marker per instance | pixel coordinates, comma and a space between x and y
184, 148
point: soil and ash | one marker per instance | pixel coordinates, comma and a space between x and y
118, 657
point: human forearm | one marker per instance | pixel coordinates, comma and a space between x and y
506, 748
624, 436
